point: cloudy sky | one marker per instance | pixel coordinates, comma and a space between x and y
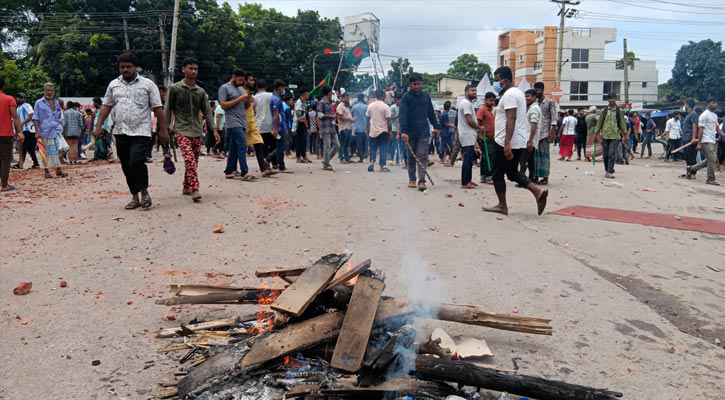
432, 33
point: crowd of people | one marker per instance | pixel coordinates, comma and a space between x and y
507, 133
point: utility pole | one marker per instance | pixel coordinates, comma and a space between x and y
125, 34
564, 13
625, 62
174, 33
162, 36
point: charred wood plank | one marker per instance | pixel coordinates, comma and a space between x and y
239, 296
475, 315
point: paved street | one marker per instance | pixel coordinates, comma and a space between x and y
634, 308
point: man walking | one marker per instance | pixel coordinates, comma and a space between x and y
345, 122
379, 129
673, 132
512, 132
254, 138
468, 131
8, 121
591, 120
533, 116
330, 142
398, 148
447, 128
187, 101
708, 128
359, 112
73, 128
25, 113
580, 142
613, 129
542, 159
649, 135
49, 126
484, 116
235, 102
279, 126
131, 97
301, 126
689, 135
416, 112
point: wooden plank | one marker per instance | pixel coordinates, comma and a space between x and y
279, 271
238, 296
200, 290
343, 276
308, 333
219, 323
474, 315
355, 331
295, 299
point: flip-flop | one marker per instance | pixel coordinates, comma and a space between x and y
249, 178
133, 205
286, 171
541, 201
495, 210
146, 202
229, 176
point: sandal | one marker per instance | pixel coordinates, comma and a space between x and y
496, 210
146, 201
133, 205
249, 178
48, 175
541, 201
61, 175
8, 188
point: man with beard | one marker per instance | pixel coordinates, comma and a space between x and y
484, 115
512, 133
416, 112
131, 97
542, 160
49, 125
187, 101
468, 131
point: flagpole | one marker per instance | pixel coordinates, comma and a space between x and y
314, 81
339, 65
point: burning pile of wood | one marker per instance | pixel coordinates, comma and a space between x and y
331, 334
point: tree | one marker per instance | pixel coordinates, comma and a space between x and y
467, 66
399, 72
631, 58
26, 77
360, 82
699, 71
664, 92
430, 81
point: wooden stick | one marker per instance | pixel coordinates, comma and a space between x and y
240, 296
219, 323
682, 147
345, 276
199, 290
474, 315
284, 271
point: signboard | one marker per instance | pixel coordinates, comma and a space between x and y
557, 94
292, 86
637, 106
360, 27
626, 105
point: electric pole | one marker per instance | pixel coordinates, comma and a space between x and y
564, 13
625, 62
125, 34
162, 35
174, 33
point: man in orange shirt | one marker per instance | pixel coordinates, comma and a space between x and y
484, 115
8, 120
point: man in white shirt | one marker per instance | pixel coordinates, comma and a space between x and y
264, 117
673, 133
25, 113
379, 128
533, 115
512, 133
468, 130
708, 126
568, 134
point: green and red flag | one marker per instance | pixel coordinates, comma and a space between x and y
353, 56
317, 91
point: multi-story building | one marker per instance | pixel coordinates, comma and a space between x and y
586, 76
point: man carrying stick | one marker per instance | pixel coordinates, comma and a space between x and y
484, 116
416, 110
689, 136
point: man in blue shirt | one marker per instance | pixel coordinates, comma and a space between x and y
416, 111
446, 146
279, 126
359, 110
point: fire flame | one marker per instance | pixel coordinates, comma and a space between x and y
265, 319
345, 269
291, 363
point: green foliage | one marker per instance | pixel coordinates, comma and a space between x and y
631, 58
664, 91
26, 77
360, 82
430, 81
467, 66
699, 71
399, 72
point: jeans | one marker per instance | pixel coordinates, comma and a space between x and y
379, 143
419, 144
609, 151
330, 147
507, 168
486, 161
672, 145
132, 153
446, 146
711, 161
29, 145
467, 169
361, 142
237, 150
301, 138
401, 153
345, 142
437, 143
581, 145
648, 138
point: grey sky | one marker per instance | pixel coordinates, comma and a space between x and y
433, 33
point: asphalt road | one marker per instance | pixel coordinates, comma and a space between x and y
634, 308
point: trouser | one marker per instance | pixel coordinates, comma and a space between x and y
647, 143
361, 142
609, 152
467, 169
191, 149
259, 153
315, 144
486, 163
345, 143
527, 162
150, 147
274, 148
401, 153
419, 146
72, 148
632, 142
29, 145
132, 154
379, 144
301, 141
672, 144
621, 152
270, 143
508, 168
690, 155
446, 143
237, 150
711, 161
581, 145
330, 146
436, 143
6, 158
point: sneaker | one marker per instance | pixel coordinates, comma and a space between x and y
371, 168
608, 175
328, 168
186, 192
714, 183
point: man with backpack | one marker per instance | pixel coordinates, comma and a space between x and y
612, 127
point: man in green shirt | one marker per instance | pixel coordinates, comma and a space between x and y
612, 127
186, 100
591, 121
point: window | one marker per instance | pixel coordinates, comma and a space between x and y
521, 57
611, 87
579, 58
644, 84
505, 62
538, 65
579, 91
581, 32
